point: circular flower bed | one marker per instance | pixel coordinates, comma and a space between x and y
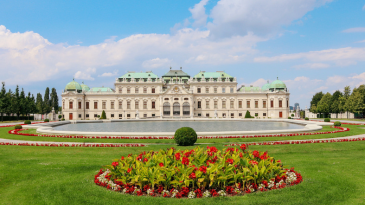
196, 173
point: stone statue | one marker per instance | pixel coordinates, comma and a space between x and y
215, 114
137, 114
161, 115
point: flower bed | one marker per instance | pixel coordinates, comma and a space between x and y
52, 144
196, 173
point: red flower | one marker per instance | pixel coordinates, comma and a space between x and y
161, 164
177, 156
185, 160
115, 164
241, 155
256, 153
192, 176
129, 170
203, 169
253, 162
244, 147
145, 160
229, 161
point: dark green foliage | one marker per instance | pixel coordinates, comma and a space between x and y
28, 122
59, 116
185, 136
306, 118
337, 123
289, 117
3, 101
248, 115
18, 127
63, 119
47, 102
39, 103
46, 120
314, 103
103, 115
54, 100
327, 120
292, 115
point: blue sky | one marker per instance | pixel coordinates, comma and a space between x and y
312, 45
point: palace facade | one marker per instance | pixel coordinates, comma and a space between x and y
175, 94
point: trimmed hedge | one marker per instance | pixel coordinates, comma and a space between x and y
14, 118
289, 117
327, 120
185, 136
337, 123
28, 122
18, 127
306, 118
46, 120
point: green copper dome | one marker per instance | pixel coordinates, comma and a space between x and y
84, 87
73, 86
278, 85
266, 86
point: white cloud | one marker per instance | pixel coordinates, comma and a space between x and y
237, 17
354, 30
109, 74
363, 41
312, 66
198, 13
85, 75
156, 63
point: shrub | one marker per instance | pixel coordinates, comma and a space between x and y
63, 119
306, 118
289, 117
59, 116
185, 136
327, 120
196, 173
103, 115
248, 115
292, 115
18, 127
337, 123
27, 122
46, 120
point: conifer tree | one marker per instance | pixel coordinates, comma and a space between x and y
47, 105
22, 103
39, 104
16, 107
9, 98
3, 101
103, 115
54, 100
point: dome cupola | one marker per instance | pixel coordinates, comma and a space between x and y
277, 85
73, 86
84, 87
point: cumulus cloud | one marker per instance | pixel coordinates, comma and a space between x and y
198, 13
156, 63
354, 30
312, 66
85, 75
237, 17
108, 74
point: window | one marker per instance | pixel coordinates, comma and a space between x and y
280, 103
144, 104
63, 105
271, 103
70, 105
104, 105
264, 114
120, 115
199, 104
264, 104
239, 104
256, 104
128, 90
248, 104
199, 90
215, 90
199, 114
136, 90
153, 105
232, 104
79, 105
111, 115
176, 98
223, 104
120, 90
153, 115
87, 115
144, 115
128, 105
111, 105
136, 105
232, 115
87, 105
207, 104
239, 114
120, 105
166, 99
223, 90
128, 115
207, 91
231, 90
95, 105
144, 90
215, 104
287, 103
79, 115
95, 115
153, 90
207, 115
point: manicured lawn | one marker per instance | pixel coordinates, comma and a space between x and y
334, 119
333, 173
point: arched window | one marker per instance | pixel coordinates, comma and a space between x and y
176, 110
166, 109
186, 108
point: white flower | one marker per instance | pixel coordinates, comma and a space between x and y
191, 195
271, 184
165, 192
206, 194
149, 191
290, 177
222, 193
174, 193
237, 190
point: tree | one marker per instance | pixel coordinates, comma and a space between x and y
335, 107
28, 104
47, 103
347, 92
324, 104
3, 101
22, 103
16, 107
39, 104
54, 99
9, 98
33, 106
103, 115
248, 115
355, 102
314, 102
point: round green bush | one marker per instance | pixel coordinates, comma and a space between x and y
18, 127
185, 136
27, 122
289, 117
327, 120
306, 118
46, 120
63, 119
337, 123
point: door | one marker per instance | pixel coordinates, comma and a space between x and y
70, 117
281, 114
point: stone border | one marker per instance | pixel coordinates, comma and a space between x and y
47, 128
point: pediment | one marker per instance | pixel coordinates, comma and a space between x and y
176, 89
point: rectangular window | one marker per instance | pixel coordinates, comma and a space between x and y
287, 103
153, 90
136, 105
239, 114
128, 105
111, 105
95, 105
206, 90
215, 104
223, 90
104, 105
264, 114
79, 115
111, 115
63, 105
70, 105
199, 90
223, 104
128, 115
120, 105
144, 90
136, 90
239, 104
215, 90
207, 115
120, 115
256, 104
186, 98
264, 104
87, 115
120, 90
79, 105
231, 90
144, 115
232, 115
153, 115
199, 104
248, 104
87, 105
128, 90
232, 104
153, 105
280, 103
271, 103
145, 105
207, 104
95, 115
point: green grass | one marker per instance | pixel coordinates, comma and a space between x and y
334, 119
333, 173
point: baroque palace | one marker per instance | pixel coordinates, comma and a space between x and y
175, 94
